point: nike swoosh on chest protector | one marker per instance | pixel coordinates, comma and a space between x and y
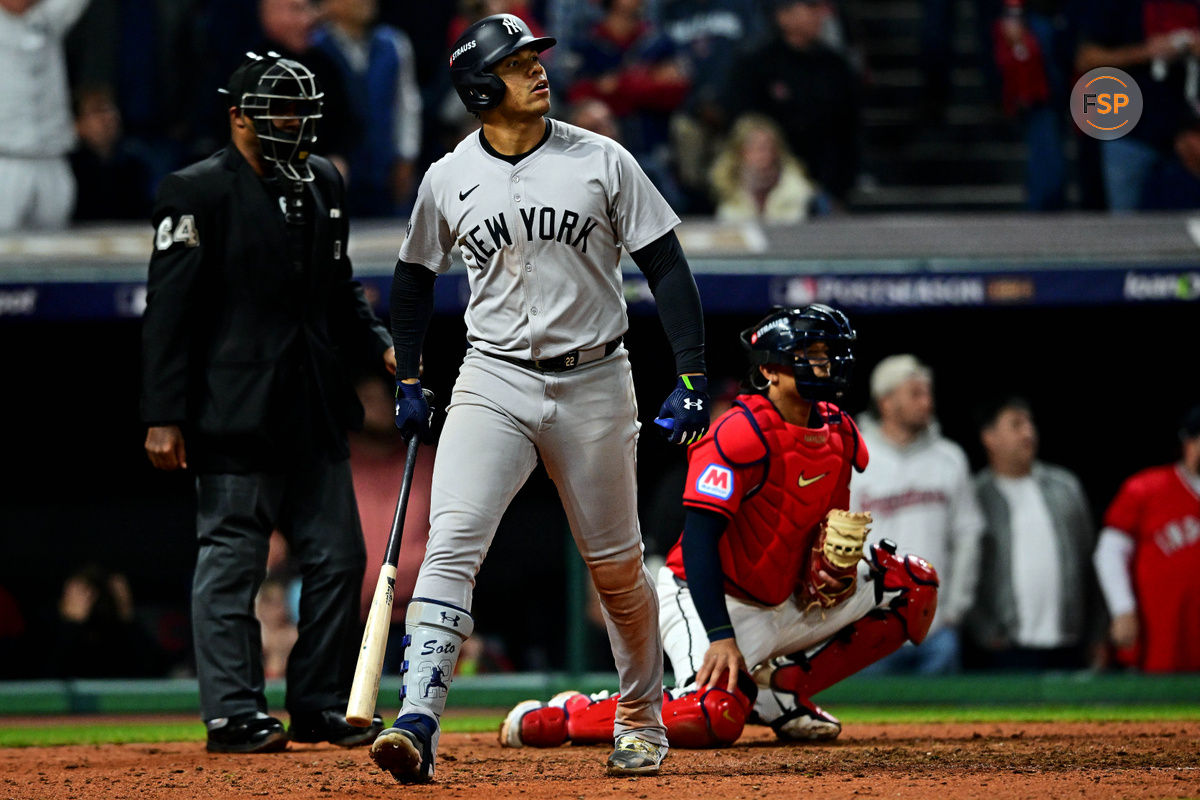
803, 481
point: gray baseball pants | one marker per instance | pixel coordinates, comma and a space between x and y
583, 424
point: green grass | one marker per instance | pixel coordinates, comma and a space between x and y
80, 732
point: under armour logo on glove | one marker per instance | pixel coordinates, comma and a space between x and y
684, 415
413, 415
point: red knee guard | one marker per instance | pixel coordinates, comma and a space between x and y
917, 583
706, 718
712, 717
907, 617
590, 721
546, 727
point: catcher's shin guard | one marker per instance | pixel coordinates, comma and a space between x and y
912, 584
532, 723
705, 717
709, 717
590, 720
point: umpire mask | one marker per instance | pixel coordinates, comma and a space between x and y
283, 102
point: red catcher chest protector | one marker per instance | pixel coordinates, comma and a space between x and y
795, 475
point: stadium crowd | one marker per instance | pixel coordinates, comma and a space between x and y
739, 108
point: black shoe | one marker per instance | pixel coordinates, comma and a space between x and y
247, 733
331, 726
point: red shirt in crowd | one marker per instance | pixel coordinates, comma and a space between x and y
1160, 511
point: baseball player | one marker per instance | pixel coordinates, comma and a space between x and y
540, 211
1147, 557
769, 571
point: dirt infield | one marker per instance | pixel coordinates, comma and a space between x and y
996, 761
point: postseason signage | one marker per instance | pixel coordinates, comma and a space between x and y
99, 299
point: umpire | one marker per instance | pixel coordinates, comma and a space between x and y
251, 314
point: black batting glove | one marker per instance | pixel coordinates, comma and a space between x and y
413, 415
684, 414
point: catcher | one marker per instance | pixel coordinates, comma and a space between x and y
767, 598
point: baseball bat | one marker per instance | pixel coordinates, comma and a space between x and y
364, 691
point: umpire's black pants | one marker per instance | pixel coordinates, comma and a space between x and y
313, 506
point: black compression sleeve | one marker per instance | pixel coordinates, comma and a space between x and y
702, 562
411, 308
670, 278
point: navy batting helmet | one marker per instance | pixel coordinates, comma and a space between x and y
782, 336
479, 48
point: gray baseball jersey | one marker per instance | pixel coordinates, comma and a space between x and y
542, 239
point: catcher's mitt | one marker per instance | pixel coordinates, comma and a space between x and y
833, 567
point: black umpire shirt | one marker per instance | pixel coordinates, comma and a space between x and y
244, 345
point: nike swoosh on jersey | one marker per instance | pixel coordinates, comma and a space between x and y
803, 481
463, 195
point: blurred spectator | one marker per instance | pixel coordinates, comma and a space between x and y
1036, 606
756, 177
1034, 90
96, 633
595, 115
471, 11
378, 70
624, 61
377, 458
146, 52
708, 34
809, 89
1157, 165
273, 608
35, 104
918, 487
112, 181
425, 24
286, 27
1148, 557
937, 57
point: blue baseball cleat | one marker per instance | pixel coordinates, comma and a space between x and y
407, 748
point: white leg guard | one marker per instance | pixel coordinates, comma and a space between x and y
434, 634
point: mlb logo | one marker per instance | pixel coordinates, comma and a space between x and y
716, 481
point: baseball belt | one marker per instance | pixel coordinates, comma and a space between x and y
567, 361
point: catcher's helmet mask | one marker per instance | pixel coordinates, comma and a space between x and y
783, 336
477, 51
283, 102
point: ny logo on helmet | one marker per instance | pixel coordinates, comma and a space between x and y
693, 404
512, 27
